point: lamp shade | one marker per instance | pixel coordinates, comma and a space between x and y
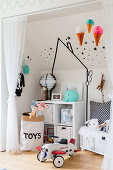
48, 80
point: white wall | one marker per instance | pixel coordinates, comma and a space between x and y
43, 34
47, 33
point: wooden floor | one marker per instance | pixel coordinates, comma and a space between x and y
27, 161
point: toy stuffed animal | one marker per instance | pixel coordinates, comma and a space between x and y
100, 87
33, 103
34, 110
71, 95
92, 123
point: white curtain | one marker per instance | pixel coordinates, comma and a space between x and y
3, 97
108, 16
13, 38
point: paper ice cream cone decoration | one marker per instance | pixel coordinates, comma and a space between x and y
89, 27
97, 32
80, 37
89, 23
80, 34
97, 38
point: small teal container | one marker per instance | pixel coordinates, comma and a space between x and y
26, 69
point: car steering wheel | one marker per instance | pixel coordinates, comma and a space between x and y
52, 137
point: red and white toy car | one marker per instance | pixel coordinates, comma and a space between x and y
56, 151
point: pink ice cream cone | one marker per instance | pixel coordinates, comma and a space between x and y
97, 31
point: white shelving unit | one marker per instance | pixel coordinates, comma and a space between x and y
66, 130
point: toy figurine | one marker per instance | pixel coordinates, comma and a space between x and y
105, 126
71, 95
56, 151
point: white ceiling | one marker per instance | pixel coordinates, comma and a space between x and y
43, 31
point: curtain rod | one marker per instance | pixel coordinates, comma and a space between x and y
54, 9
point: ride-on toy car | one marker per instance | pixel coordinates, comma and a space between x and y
56, 151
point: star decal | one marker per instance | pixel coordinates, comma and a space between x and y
95, 49
68, 38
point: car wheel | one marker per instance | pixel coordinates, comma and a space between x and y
39, 157
58, 161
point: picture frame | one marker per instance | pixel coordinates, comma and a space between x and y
56, 96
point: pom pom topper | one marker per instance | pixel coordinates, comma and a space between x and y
89, 23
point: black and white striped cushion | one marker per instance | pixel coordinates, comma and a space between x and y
100, 111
